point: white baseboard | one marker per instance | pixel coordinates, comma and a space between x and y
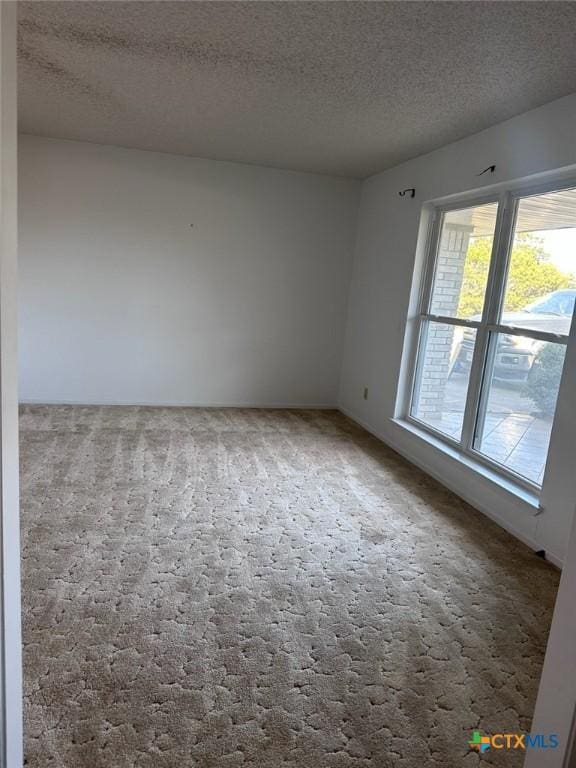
462, 493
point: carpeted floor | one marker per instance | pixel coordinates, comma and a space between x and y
223, 588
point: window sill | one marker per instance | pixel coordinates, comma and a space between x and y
507, 484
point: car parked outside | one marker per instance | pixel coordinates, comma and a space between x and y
515, 354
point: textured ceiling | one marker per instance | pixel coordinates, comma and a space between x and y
348, 88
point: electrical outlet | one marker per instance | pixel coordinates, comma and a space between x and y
365, 393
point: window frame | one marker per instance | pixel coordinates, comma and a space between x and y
487, 327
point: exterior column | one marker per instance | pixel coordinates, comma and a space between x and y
440, 340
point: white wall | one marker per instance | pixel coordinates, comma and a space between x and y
10, 623
121, 301
388, 250
555, 710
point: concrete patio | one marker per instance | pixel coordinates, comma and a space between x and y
515, 434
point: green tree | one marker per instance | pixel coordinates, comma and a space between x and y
531, 274
543, 380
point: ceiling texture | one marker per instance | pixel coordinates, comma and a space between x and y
346, 88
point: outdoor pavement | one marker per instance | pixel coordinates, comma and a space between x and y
515, 434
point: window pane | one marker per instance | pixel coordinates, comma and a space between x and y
462, 262
523, 387
541, 281
442, 376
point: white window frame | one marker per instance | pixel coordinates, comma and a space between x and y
487, 328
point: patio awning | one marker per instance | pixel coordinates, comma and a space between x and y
556, 210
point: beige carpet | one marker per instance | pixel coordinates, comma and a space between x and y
227, 588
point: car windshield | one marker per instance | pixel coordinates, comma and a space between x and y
553, 304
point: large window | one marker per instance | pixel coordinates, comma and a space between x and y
495, 316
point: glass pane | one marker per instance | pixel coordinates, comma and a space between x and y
523, 387
462, 262
442, 376
541, 281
